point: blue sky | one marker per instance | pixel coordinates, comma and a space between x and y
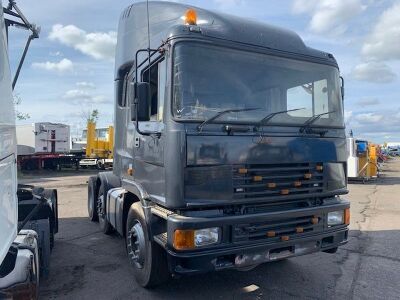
69, 70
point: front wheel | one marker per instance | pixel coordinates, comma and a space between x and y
147, 258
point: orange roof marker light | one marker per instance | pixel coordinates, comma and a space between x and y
190, 17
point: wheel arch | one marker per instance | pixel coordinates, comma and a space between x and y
129, 199
109, 179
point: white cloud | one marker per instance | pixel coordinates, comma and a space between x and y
57, 53
225, 3
328, 16
368, 102
99, 45
348, 114
85, 85
384, 41
304, 6
373, 71
376, 124
79, 96
369, 118
64, 65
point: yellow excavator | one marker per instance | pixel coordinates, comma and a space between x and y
99, 147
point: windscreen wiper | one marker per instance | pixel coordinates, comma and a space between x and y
306, 126
219, 114
271, 115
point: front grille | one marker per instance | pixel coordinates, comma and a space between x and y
277, 182
277, 230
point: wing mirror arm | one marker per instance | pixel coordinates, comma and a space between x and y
342, 87
140, 108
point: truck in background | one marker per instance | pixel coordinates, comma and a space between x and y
45, 145
43, 137
99, 147
28, 215
230, 145
78, 144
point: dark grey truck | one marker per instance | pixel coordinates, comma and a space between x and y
229, 144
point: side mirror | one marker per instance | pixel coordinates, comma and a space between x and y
342, 87
141, 103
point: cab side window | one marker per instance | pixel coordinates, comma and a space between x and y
123, 95
128, 92
156, 76
151, 76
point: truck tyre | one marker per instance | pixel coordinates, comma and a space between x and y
100, 165
44, 248
92, 199
51, 239
147, 258
52, 196
102, 209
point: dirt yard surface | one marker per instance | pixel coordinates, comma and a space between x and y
86, 264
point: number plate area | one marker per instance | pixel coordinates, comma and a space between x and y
254, 258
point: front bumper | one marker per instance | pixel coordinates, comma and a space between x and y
23, 281
251, 255
234, 252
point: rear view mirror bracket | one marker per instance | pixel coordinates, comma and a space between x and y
342, 87
140, 109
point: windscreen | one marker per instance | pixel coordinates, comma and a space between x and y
209, 79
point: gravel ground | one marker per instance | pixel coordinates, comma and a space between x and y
87, 264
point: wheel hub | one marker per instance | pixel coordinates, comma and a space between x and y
136, 245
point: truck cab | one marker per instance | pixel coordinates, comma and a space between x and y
28, 215
230, 146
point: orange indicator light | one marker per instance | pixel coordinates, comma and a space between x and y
347, 216
184, 239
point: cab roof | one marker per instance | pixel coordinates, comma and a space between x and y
166, 21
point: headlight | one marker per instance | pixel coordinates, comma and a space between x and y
204, 237
190, 239
336, 218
